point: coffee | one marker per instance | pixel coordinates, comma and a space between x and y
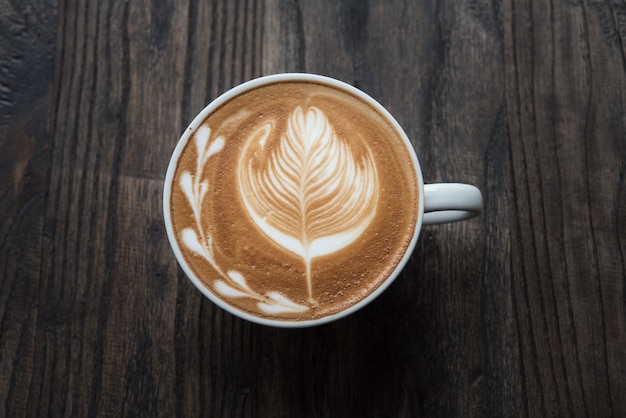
294, 200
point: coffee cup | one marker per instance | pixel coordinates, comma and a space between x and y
293, 200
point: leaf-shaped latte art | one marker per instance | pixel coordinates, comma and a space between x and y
311, 193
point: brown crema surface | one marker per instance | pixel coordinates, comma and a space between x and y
237, 244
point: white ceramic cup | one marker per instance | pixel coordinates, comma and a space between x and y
439, 203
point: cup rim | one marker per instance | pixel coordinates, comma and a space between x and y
199, 119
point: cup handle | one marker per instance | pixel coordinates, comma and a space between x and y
450, 202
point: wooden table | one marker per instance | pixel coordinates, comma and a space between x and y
520, 312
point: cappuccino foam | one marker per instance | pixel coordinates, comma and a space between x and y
294, 200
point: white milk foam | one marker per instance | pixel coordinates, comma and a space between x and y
309, 194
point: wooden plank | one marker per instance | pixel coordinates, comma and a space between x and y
26, 71
565, 94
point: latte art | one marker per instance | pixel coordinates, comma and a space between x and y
293, 200
233, 284
309, 193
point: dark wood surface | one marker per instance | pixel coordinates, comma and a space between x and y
520, 312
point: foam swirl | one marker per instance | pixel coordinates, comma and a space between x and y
311, 193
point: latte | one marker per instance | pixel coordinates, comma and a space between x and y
294, 200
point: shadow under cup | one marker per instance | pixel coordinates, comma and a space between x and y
293, 200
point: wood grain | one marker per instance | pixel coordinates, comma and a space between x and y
566, 101
520, 312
